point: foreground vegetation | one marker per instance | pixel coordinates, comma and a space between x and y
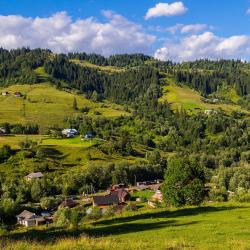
213, 226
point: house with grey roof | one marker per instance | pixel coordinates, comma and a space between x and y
29, 219
69, 132
105, 201
32, 176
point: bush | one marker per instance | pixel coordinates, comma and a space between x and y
85, 109
110, 211
242, 195
5, 153
48, 202
130, 207
96, 214
219, 195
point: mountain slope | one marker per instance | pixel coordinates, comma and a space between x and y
47, 106
183, 97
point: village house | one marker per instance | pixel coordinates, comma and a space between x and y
5, 93
149, 185
210, 112
122, 194
115, 197
18, 94
29, 219
88, 135
2, 131
32, 176
105, 201
158, 196
69, 203
69, 133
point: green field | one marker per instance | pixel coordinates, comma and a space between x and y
47, 106
110, 69
213, 226
70, 154
182, 97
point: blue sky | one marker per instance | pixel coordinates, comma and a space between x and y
176, 30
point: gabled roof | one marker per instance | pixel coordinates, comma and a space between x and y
69, 131
25, 215
34, 175
2, 130
69, 203
106, 200
121, 193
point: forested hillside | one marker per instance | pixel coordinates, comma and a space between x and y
135, 131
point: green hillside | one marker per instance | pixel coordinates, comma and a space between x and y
47, 106
214, 226
124, 109
110, 69
183, 97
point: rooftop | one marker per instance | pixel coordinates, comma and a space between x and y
34, 175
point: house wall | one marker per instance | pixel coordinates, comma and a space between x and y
30, 223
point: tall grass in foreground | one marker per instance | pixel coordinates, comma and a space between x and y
87, 243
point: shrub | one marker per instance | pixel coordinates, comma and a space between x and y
96, 214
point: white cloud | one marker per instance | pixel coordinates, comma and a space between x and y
190, 28
206, 45
248, 11
61, 34
193, 28
166, 9
174, 29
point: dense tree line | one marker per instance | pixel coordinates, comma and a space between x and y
209, 76
17, 66
124, 60
123, 87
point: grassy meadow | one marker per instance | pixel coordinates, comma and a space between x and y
213, 226
47, 106
69, 154
109, 69
183, 97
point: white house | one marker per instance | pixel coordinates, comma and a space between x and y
29, 219
32, 176
69, 132
2, 131
5, 93
210, 112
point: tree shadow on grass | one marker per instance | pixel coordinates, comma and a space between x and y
126, 228
167, 214
52, 234
120, 225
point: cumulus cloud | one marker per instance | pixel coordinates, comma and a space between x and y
61, 34
166, 9
206, 45
190, 28
193, 28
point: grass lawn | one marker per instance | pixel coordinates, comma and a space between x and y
14, 141
70, 142
213, 226
47, 106
188, 99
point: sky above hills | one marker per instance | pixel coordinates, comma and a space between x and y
177, 30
